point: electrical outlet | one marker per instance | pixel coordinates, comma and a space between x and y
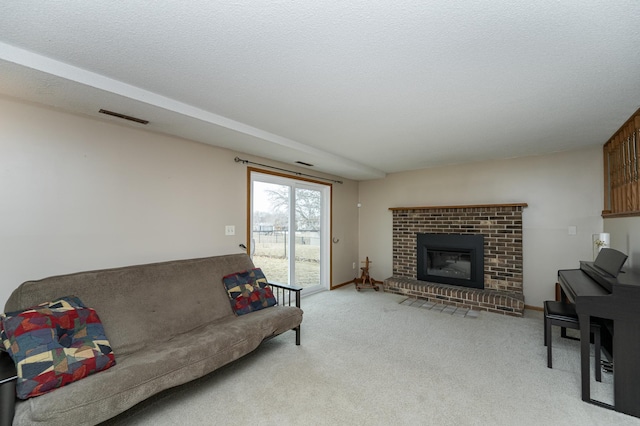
573, 230
230, 230
353, 265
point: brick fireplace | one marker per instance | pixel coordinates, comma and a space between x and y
501, 226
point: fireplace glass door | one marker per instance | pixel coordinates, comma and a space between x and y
456, 259
449, 263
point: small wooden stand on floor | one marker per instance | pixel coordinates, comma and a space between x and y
365, 280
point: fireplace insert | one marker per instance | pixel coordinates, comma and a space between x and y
456, 259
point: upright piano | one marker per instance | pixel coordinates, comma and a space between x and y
600, 289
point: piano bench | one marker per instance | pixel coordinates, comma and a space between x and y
564, 315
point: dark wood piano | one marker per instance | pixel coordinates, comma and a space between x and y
601, 290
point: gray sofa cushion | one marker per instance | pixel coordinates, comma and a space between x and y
138, 375
157, 367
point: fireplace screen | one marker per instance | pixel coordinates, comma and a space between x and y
447, 263
456, 259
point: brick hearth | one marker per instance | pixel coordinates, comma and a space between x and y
501, 225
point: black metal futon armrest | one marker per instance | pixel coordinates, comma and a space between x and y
283, 294
8, 377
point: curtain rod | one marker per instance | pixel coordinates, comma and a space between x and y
240, 160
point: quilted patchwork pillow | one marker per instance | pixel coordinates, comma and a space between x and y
54, 344
248, 291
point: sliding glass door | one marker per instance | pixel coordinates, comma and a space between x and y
289, 230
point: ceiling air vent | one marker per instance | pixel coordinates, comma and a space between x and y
304, 164
124, 117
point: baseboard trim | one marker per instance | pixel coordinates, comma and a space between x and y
341, 285
355, 280
534, 308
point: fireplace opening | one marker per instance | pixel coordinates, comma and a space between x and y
449, 263
456, 259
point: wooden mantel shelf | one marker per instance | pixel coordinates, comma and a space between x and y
473, 206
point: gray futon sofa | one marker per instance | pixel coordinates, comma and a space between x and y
168, 323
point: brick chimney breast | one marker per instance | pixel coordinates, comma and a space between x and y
501, 226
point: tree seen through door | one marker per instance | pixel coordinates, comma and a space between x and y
271, 239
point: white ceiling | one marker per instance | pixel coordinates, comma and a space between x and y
358, 88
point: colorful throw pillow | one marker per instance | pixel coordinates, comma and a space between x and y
249, 291
54, 344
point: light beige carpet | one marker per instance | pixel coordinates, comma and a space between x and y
367, 359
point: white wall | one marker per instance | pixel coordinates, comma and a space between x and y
79, 193
345, 232
625, 237
562, 190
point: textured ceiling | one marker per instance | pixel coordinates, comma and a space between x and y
358, 89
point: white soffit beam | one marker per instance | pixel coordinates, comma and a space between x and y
78, 75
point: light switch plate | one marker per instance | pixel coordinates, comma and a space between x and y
573, 230
229, 230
